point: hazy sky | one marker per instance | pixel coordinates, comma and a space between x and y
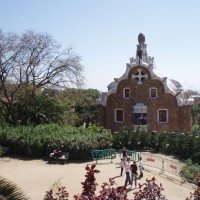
104, 33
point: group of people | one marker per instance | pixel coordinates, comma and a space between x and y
131, 170
56, 153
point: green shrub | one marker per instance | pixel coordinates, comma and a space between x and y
183, 145
189, 170
39, 141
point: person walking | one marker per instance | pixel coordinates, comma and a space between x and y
141, 167
134, 173
122, 166
127, 171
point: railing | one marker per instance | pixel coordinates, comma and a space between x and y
163, 164
151, 160
104, 154
133, 155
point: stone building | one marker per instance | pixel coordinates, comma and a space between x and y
142, 98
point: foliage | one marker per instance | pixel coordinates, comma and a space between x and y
195, 128
196, 114
56, 192
196, 193
89, 188
44, 108
132, 140
195, 110
28, 63
149, 190
109, 192
89, 185
183, 145
40, 140
10, 191
84, 104
62, 194
189, 170
1, 150
71, 106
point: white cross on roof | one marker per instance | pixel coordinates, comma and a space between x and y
139, 76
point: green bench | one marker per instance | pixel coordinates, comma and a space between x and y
104, 154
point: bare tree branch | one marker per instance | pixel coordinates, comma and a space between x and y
34, 60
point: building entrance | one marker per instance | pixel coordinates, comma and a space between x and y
140, 116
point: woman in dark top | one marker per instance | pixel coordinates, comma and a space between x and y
134, 173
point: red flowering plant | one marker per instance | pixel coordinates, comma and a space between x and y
196, 194
109, 192
149, 190
61, 194
89, 185
198, 179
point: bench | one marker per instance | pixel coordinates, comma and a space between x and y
62, 158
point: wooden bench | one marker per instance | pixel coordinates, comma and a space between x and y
62, 159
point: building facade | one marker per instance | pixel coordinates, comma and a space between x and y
144, 99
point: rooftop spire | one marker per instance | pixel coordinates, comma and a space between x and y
141, 38
141, 48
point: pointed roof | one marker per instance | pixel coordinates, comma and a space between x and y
171, 86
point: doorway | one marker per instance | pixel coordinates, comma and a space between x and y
140, 116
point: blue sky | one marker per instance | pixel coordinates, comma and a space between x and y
104, 33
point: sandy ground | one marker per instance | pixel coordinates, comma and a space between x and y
37, 176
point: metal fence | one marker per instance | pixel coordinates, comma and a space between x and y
133, 155
151, 160
154, 161
104, 154
163, 164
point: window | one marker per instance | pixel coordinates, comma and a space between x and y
119, 115
126, 93
153, 93
140, 118
163, 116
140, 114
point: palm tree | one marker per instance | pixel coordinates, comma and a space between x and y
10, 191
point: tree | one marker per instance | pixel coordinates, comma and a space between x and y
45, 108
84, 103
30, 62
10, 191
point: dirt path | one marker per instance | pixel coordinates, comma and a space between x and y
37, 176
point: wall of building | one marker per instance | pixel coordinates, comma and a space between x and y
179, 117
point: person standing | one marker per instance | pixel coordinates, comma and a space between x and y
141, 167
122, 166
134, 173
124, 153
127, 171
